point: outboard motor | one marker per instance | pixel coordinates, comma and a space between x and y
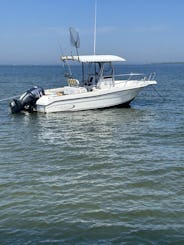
27, 101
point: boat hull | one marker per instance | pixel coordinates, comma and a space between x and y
86, 101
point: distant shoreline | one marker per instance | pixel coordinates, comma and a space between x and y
151, 63
179, 62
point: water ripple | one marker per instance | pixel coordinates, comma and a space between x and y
95, 177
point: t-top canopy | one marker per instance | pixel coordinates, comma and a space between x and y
94, 58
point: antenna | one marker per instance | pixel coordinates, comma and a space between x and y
95, 29
74, 39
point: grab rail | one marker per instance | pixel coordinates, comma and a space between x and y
152, 76
130, 75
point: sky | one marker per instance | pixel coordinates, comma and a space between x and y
35, 32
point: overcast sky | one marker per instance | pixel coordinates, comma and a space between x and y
141, 31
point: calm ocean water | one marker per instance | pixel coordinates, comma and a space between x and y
112, 176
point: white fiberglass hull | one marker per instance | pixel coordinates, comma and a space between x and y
99, 98
87, 103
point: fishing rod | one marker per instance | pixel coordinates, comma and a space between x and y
159, 94
94, 41
12, 97
65, 63
15, 96
74, 39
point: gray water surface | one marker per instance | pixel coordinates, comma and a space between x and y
112, 176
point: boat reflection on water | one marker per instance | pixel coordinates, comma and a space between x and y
88, 129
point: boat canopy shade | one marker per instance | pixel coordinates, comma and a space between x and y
94, 58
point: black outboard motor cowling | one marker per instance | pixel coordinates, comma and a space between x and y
27, 101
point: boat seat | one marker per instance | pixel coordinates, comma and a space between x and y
73, 82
